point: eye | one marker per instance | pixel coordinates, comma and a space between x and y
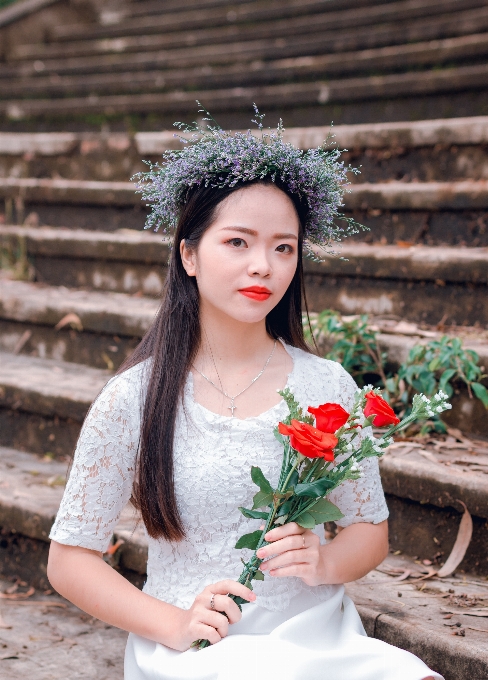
237, 242
285, 248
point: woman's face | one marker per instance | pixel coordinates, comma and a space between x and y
247, 258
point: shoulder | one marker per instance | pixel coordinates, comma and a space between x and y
317, 380
124, 390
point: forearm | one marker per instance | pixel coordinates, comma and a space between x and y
82, 577
354, 552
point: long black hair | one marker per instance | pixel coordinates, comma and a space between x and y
172, 342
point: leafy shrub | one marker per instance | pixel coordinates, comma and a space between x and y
430, 367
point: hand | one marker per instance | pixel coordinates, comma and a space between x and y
295, 551
201, 622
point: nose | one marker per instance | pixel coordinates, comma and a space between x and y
259, 264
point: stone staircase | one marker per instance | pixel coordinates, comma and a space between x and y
81, 279
87, 299
140, 63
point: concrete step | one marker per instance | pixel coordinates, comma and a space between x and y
126, 41
271, 10
256, 72
272, 45
376, 279
31, 491
106, 329
450, 213
286, 97
43, 402
429, 150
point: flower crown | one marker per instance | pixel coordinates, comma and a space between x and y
218, 158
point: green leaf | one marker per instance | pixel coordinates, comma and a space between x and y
314, 489
254, 514
293, 480
369, 420
446, 377
325, 511
285, 508
481, 392
260, 480
262, 499
259, 576
306, 520
249, 540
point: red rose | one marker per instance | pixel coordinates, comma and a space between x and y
384, 413
329, 417
309, 441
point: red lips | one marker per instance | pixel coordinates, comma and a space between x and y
256, 293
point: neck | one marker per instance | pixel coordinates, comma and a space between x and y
230, 342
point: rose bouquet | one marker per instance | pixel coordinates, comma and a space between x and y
321, 450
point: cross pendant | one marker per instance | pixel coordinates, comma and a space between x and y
232, 407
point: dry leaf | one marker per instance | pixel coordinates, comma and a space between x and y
17, 596
429, 455
72, 319
19, 345
38, 603
4, 625
463, 540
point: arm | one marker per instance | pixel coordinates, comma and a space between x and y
85, 579
354, 552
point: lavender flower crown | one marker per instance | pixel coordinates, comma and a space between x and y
217, 158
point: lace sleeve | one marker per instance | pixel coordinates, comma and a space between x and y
362, 500
101, 478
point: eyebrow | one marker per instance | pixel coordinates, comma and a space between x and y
252, 232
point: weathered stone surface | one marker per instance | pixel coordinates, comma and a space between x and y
54, 639
415, 621
257, 72
463, 195
461, 78
47, 387
107, 313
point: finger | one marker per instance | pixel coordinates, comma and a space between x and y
223, 603
217, 621
208, 633
285, 530
291, 557
289, 570
294, 542
234, 588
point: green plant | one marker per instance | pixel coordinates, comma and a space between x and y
430, 367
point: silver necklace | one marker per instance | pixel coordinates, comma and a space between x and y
232, 408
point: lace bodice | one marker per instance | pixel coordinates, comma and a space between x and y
213, 456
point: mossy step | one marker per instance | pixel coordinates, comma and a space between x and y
275, 43
256, 72
271, 11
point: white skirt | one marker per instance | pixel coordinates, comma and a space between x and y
308, 641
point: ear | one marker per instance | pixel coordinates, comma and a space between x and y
188, 258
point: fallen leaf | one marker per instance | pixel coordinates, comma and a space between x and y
17, 596
19, 345
108, 361
4, 625
71, 319
429, 455
39, 603
463, 540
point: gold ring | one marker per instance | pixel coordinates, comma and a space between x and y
212, 601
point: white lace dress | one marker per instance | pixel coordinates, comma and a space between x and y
293, 631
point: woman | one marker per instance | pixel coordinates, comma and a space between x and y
181, 424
